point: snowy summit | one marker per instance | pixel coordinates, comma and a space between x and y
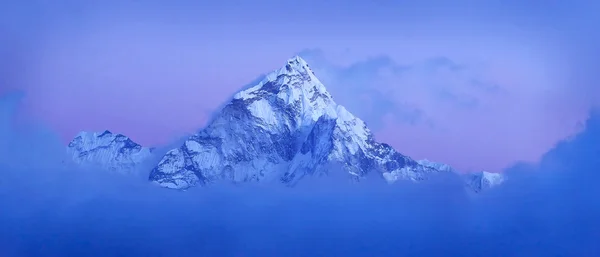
114, 152
284, 128
484, 180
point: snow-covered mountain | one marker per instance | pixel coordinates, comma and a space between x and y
286, 127
475, 181
436, 165
483, 180
106, 150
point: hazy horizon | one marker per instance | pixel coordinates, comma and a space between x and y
49, 209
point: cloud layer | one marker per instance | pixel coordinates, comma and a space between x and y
544, 209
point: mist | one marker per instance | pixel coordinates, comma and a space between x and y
548, 208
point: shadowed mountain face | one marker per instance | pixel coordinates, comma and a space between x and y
282, 129
286, 127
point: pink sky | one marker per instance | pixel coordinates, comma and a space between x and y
471, 89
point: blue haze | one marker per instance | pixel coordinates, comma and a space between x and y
545, 209
550, 208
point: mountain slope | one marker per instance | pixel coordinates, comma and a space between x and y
475, 181
286, 127
437, 165
106, 150
484, 180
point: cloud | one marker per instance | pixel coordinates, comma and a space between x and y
399, 89
544, 209
427, 106
347, 83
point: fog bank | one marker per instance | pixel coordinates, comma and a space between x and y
48, 209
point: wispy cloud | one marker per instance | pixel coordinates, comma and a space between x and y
427, 107
399, 89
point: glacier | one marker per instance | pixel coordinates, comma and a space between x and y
282, 129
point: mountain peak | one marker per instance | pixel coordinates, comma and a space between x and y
91, 140
492, 178
108, 150
295, 72
296, 58
293, 87
436, 165
297, 66
483, 180
106, 132
285, 127
297, 62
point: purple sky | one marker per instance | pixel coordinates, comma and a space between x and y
478, 86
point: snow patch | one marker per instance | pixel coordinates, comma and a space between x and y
262, 109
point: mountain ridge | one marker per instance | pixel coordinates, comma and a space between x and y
111, 151
284, 128
288, 122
